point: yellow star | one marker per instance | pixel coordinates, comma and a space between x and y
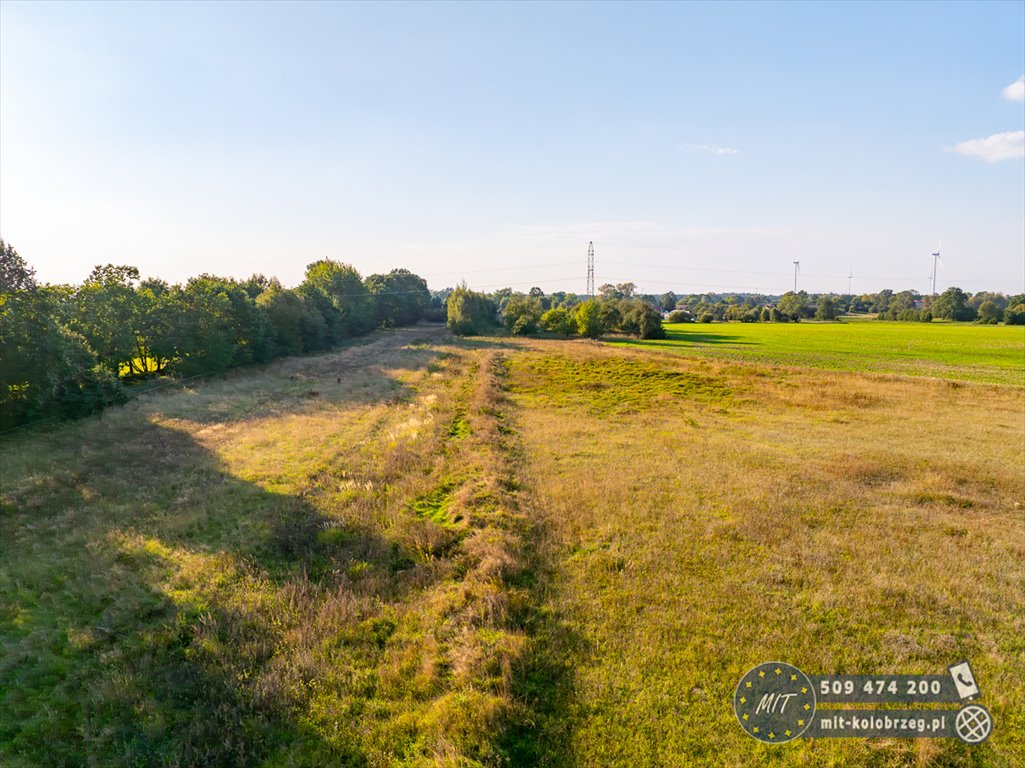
804, 689
743, 699
800, 722
749, 685
793, 678
807, 707
745, 716
779, 671
755, 729
786, 732
772, 735
761, 673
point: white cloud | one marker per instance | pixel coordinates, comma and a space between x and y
1008, 145
1016, 90
713, 149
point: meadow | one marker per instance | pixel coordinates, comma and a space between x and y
428, 551
962, 351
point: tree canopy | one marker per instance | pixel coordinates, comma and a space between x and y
64, 350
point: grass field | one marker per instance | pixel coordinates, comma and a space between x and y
423, 551
988, 353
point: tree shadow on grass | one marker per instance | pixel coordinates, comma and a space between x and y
361, 373
155, 609
486, 342
695, 337
544, 682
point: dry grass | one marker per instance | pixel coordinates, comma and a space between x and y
242, 574
423, 552
842, 522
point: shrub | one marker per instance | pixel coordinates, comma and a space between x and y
989, 313
399, 297
825, 310
749, 316
680, 316
522, 314
589, 319
610, 314
1015, 315
641, 319
707, 317
469, 312
559, 320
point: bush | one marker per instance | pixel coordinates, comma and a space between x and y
707, 317
48, 370
469, 312
559, 320
641, 319
908, 315
1015, 315
680, 316
589, 319
825, 310
88, 392
989, 313
952, 304
610, 314
522, 314
400, 297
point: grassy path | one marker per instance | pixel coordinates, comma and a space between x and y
421, 551
315, 564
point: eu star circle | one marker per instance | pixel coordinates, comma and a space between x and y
775, 702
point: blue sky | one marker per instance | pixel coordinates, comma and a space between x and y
700, 146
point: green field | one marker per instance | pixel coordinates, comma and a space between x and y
988, 353
427, 551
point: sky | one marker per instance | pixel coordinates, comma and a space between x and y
701, 147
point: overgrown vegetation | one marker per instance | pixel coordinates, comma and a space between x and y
470, 313
254, 575
426, 551
63, 349
785, 514
525, 315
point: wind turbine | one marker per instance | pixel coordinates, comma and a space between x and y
935, 260
797, 269
850, 277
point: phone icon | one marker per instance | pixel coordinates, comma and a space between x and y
964, 680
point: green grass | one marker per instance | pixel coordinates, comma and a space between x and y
841, 522
508, 552
987, 353
299, 565
610, 385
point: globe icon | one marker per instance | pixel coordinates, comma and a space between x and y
973, 724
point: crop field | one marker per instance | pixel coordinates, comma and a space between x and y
425, 551
988, 353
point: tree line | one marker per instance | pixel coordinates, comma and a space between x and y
471, 312
953, 304
67, 350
